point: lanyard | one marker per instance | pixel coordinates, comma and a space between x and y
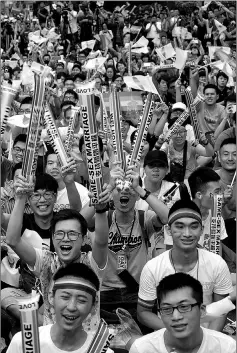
125, 244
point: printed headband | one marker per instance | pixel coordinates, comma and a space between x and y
184, 212
74, 283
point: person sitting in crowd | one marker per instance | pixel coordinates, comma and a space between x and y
180, 304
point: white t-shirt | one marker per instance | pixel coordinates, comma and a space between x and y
211, 270
213, 342
62, 197
205, 237
46, 343
153, 32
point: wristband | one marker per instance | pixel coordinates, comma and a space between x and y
146, 194
103, 210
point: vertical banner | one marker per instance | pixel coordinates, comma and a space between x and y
101, 340
87, 102
71, 129
130, 59
7, 97
54, 136
29, 163
174, 128
215, 233
116, 130
28, 308
141, 133
192, 112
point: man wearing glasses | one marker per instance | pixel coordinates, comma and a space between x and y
180, 306
185, 225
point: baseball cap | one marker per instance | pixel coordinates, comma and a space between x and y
178, 106
158, 157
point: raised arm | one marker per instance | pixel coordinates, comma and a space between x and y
23, 249
72, 192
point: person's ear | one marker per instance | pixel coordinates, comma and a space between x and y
199, 195
203, 310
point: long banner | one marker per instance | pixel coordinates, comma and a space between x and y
215, 235
87, 102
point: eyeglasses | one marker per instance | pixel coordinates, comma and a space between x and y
25, 111
18, 150
182, 308
180, 133
60, 235
47, 196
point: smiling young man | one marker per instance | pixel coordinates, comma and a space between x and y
74, 296
180, 306
185, 223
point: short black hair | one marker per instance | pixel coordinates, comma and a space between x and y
68, 77
15, 168
163, 77
60, 74
199, 178
80, 75
178, 281
50, 150
71, 91
78, 270
20, 138
68, 214
222, 74
210, 85
229, 141
27, 100
64, 103
45, 181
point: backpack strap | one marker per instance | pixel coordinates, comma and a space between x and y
110, 215
141, 215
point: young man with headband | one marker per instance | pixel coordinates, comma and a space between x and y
185, 223
74, 296
180, 305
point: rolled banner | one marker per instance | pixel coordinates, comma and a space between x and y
130, 59
7, 96
93, 158
106, 125
184, 116
193, 112
54, 136
101, 340
215, 233
169, 192
103, 117
141, 134
71, 129
30, 158
29, 323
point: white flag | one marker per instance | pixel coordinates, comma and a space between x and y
181, 58
213, 49
204, 8
95, 63
88, 44
143, 50
141, 83
220, 27
142, 42
167, 51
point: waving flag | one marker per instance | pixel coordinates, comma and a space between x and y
95, 63
212, 50
88, 44
181, 58
142, 83
167, 51
220, 27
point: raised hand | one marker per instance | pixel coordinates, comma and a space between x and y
22, 186
68, 171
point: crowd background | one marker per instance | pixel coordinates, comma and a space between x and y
67, 36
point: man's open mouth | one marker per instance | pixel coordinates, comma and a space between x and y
65, 249
124, 200
42, 207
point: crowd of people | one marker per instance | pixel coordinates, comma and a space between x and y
146, 249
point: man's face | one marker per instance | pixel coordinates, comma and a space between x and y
124, 201
182, 325
68, 250
172, 89
180, 136
69, 97
59, 68
222, 81
227, 157
163, 86
42, 202
69, 84
186, 233
194, 50
110, 73
155, 172
18, 152
72, 306
76, 70
98, 84
46, 59
121, 68
118, 82
212, 188
210, 96
25, 109
53, 167
163, 40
